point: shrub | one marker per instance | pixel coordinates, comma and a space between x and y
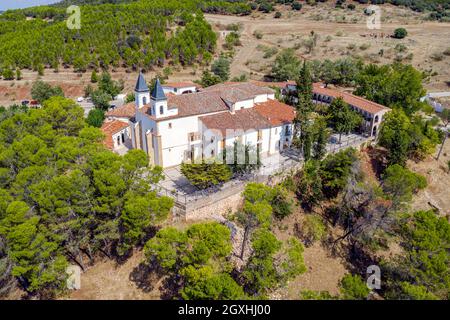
265, 7
96, 117
221, 68
277, 15
258, 34
8, 74
205, 175
281, 204
400, 33
313, 229
437, 56
364, 46
353, 287
232, 40
296, 6
400, 47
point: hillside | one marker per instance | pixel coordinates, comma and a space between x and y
139, 34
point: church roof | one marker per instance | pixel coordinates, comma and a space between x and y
158, 91
109, 128
244, 119
276, 112
141, 85
126, 111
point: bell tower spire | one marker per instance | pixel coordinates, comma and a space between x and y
141, 92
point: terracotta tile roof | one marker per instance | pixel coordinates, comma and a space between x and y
209, 100
191, 104
182, 84
280, 85
126, 111
109, 128
351, 99
244, 119
359, 102
277, 113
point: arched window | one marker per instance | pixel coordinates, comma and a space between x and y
144, 101
161, 109
376, 118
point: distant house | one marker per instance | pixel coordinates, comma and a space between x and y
438, 100
178, 88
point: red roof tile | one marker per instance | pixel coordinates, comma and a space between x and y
126, 111
244, 119
359, 102
110, 128
191, 104
276, 112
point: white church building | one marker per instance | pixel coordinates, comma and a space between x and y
183, 123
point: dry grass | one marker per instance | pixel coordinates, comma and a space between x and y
348, 37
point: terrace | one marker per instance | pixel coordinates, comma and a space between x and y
274, 167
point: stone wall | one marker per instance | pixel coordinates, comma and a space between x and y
229, 200
220, 205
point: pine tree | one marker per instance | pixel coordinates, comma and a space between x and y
18, 74
7, 73
304, 107
321, 137
94, 77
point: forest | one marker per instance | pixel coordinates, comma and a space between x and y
141, 34
65, 197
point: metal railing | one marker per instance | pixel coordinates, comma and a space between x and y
265, 174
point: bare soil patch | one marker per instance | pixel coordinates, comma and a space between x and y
341, 33
107, 280
324, 268
437, 193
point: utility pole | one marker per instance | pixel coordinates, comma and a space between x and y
442, 145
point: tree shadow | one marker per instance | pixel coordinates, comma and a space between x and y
377, 160
170, 288
145, 275
358, 259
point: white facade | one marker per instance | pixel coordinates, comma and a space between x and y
177, 90
121, 138
170, 137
